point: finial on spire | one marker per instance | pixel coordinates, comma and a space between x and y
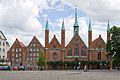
46, 28
90, 28
63, 27
108, 26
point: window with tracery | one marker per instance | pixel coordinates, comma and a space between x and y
76, 51
83, 51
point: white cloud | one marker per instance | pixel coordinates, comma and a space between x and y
98, 10
19, 18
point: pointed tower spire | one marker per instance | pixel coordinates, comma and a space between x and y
108, 26
63, 27
108, 31
76, 26
76, 23
90, 28
46, 28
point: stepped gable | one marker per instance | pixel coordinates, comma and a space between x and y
36, 41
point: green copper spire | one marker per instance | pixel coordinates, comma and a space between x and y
90, 28
108, 26
46, 28
63, 27
76, 26
76, 23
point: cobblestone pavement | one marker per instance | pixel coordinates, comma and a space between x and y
60, 75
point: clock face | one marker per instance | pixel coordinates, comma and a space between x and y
76, 40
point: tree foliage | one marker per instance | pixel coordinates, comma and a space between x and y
2, 60
113, 45
41, 61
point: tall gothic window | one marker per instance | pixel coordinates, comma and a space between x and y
83, 51
76, 51
99, 55
69, 51
54, 56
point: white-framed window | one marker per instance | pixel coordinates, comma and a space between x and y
31, 59
33, 54
27, 59
30, 49
19, 54
0, 49
13, 49
30, 54
16, 49
33, 49
0, 43
34, 59
34, 44
16, 54
37, 49
16, 60
19, 49
37, 54
19, 59
13, 54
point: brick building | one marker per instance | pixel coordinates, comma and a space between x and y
76, 49
16, 54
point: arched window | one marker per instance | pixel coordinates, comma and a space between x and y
83, 51
76, 51
54, 56
99, 55
69, 51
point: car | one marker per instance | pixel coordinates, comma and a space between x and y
15, 68
1, 67
6, 68
21, 68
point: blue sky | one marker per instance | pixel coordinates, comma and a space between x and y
24, 19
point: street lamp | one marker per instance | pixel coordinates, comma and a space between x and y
79, 65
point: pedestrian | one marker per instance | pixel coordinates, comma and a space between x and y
85, 68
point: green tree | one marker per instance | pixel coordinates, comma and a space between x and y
41, 61
113, 45
2, 60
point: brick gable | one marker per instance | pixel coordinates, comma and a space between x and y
54, 43
98, 43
